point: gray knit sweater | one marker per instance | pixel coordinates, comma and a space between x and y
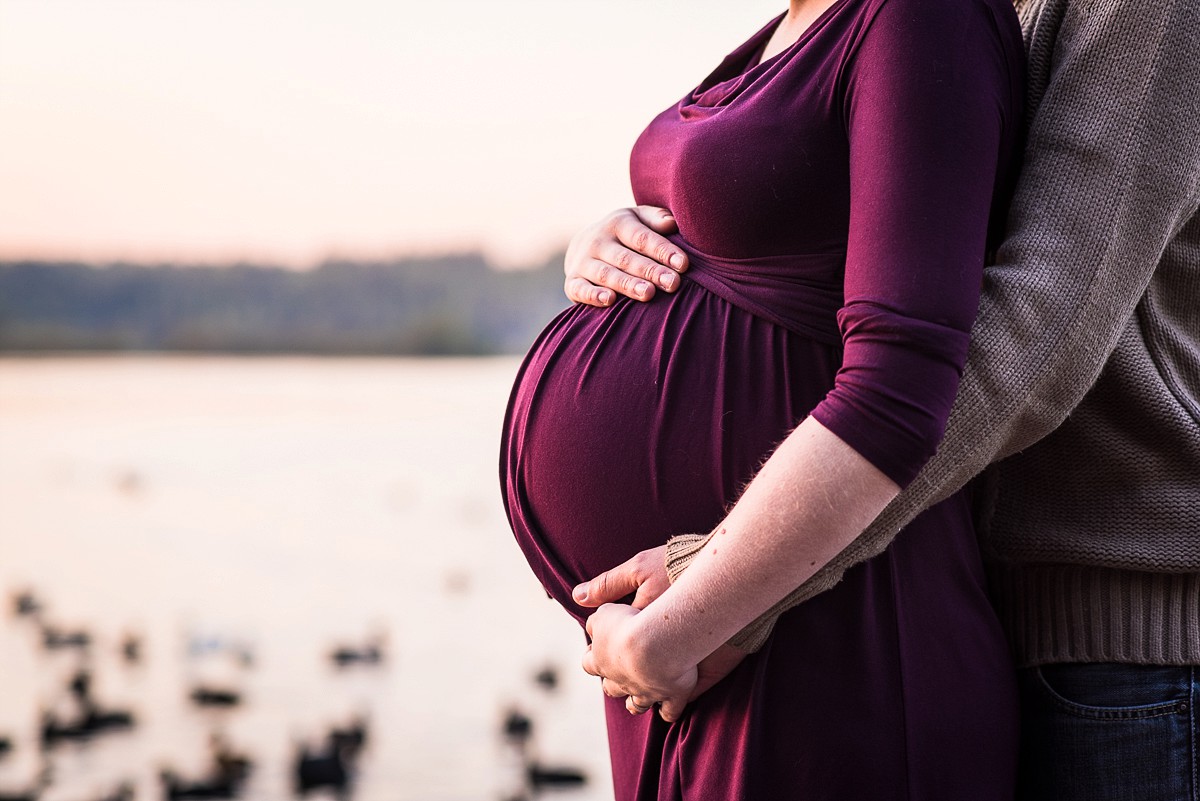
1091, 316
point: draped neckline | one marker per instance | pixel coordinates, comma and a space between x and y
745, 65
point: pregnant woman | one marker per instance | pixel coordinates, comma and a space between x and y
836, 183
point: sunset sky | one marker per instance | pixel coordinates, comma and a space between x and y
290, 130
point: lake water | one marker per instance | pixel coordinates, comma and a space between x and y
284, 505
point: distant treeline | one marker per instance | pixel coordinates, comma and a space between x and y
448, 305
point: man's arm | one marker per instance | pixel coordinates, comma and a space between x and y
1111, 174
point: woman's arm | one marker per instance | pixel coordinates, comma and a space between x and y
810, 499
931, 99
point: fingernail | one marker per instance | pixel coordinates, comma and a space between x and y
677, 261
604, 297
668, 281
579, 593
642, 289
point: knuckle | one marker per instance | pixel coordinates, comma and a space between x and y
640, 239
579, 290
604, 274
624, 260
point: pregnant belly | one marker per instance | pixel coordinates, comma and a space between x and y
630, 424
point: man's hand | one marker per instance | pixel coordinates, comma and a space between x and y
625, 253
644, 576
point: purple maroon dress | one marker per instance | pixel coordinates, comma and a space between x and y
836, 201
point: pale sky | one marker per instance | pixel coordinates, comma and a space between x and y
291, 130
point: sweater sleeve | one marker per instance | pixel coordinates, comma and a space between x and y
1111, 174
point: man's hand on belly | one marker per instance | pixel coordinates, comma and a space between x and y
644, 577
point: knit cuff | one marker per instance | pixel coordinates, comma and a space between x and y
681, 551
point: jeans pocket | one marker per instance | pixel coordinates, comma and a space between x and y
1097, 732
1115, 692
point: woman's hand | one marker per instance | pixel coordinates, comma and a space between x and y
630, 668
712, 668
645, 577
625, 253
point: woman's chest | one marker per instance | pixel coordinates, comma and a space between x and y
749, 176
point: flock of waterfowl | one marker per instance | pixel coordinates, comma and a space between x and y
328, 762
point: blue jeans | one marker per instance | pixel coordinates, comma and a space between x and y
1107, 732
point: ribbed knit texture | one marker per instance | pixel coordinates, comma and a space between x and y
1070, 613
1100, 270
681, 551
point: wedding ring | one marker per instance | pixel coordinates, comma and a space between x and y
635, 708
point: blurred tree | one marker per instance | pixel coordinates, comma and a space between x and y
449, 305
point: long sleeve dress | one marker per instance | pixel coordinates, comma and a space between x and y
836, 202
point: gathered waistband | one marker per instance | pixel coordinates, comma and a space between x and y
801, 293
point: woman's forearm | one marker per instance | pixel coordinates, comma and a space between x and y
813, 497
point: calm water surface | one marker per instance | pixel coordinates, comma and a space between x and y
286, 504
